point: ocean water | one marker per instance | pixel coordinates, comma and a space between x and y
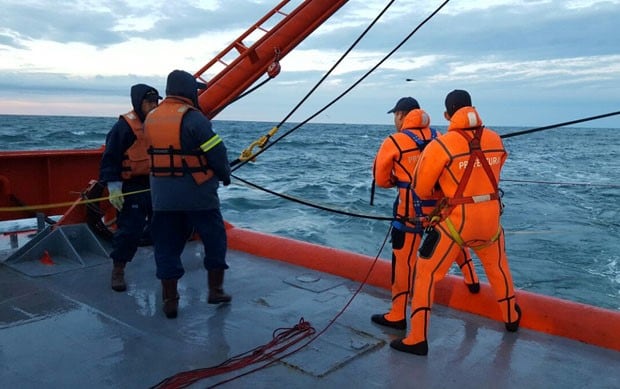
561, 193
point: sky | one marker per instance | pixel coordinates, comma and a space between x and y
526, 63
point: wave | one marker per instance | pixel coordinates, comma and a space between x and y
562, 228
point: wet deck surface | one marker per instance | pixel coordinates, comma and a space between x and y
70, 330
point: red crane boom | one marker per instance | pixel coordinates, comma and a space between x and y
253, 61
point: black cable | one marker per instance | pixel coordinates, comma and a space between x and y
334, 66
517, 133
563, 183
346, 90
309, 204
254, 88
237, 163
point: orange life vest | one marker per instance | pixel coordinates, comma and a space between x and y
163, 130
136, 159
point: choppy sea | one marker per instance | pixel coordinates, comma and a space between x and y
561, 193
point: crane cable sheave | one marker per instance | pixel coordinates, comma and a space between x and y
248, 154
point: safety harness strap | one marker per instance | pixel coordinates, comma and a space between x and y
418, 203
476, 154
418, 227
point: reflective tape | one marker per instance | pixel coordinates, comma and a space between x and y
211, 143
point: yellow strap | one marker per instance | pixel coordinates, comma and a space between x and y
67, 204
454, 234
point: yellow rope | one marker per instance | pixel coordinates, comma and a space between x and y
66, 204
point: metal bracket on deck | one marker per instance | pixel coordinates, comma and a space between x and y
57, 249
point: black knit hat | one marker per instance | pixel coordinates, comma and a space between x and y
456, 100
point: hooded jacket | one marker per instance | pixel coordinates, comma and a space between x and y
119, 139
182, 192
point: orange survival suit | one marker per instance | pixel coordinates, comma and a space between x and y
466, 164
394, 166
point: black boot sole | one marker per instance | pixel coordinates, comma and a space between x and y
473, 288
417, 349
171, 308
514, 326
119, 288
381, 320
219, 300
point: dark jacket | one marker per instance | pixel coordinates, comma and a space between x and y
182, 193
118, 140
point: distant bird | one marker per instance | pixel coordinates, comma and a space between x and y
409, 79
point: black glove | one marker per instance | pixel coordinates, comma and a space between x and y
226, 181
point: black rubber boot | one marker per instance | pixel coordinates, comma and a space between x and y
216, 290
170, 297
381, 320
514, 326
118, 277
417, 349
473, 288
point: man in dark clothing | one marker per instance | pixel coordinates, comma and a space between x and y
124, 169
187, 162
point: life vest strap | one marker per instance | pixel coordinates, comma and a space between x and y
173, 151
173, 169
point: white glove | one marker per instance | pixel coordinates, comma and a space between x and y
116, 194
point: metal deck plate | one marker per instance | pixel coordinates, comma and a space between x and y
314, 282
332, 350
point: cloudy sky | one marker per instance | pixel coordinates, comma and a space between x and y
526, 63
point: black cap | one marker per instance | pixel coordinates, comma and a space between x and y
152, 95
405, 104
456, 100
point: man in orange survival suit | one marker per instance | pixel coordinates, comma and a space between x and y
394, 166
466, 163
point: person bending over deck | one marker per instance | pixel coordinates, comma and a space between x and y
393, 167
187, 162
124, 168
465, 163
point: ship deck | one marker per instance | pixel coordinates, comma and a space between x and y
68, 329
